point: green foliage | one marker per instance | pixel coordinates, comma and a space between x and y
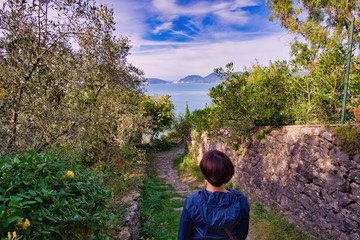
161, 111
187, 112
55, 195
261, 135
158, 217
267, 225
158, 145
349, 138
320, 47
187, 163
236, 147
260, 96
66, 82
201, 119
180, 129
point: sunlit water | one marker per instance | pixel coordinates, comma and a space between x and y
196, 94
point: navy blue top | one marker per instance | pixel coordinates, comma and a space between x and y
206, 214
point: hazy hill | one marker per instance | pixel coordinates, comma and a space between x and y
191, 79
157, 81
211, 78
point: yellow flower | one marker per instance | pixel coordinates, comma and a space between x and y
21, 225
26, 223
69, 174
11, 236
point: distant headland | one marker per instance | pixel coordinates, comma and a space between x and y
211, 78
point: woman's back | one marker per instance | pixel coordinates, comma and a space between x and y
206, 214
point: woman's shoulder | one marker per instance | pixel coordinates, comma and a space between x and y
194, 196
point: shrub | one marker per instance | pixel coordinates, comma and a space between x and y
349, 138
45, 196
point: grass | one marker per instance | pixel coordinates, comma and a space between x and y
159, 219
267, 225
188, 165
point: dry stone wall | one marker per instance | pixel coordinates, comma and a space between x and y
301, 172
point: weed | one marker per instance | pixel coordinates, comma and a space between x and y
261, 135
267, 225
349, 138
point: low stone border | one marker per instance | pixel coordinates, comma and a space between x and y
132, 217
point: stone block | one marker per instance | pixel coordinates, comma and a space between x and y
337, 182
355, 208
355, 190
339, 224
313, 192
342, 198
354, 175
330, 201
313, 141
355, 236
290, 138
305, 201
318, 182
340, 157
328, 136
350, 213
308, 175
305, 156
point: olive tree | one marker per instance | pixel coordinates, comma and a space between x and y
64, 78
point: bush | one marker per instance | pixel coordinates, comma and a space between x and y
200, 119
349, 138
45, 196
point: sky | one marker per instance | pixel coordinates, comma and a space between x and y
172, 39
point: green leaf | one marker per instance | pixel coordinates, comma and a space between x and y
16, 198
32, 192
2, 211
13, 203
10, 220
29, 202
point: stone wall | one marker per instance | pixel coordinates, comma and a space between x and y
302, 173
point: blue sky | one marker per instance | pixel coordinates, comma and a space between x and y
175, 38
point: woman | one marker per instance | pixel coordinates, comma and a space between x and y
215, 212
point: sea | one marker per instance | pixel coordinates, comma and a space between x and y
196, 94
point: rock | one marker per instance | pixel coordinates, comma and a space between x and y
177, 199
178, 209
354, 175
355, 189
328, 136
125, 234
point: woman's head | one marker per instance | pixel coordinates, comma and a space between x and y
216, 168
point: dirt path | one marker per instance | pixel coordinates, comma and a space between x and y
166, 173
185, 185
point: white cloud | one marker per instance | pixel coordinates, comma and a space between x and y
174, 63
162, 27
227, 11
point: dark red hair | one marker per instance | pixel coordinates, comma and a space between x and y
216, 167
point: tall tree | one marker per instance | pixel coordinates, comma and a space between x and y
160, 110
321, 31
187, 112
64, 77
